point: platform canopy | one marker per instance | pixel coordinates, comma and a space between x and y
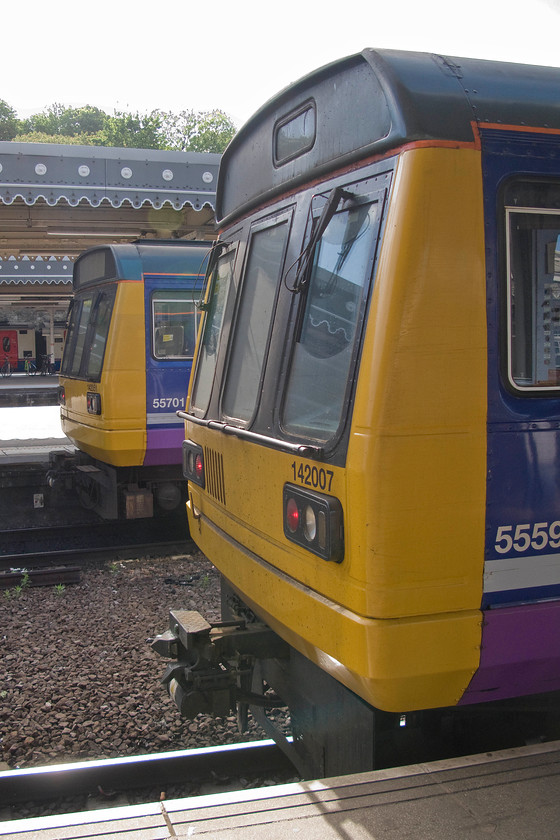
58, 200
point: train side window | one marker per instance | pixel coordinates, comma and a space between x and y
220, 282
174, 324
533, 251
330, 313
254, 316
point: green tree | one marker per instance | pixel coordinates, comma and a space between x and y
137, 131
66, 122
202, 131
197, 131
47, 122
9, 123
85, 120
78, 140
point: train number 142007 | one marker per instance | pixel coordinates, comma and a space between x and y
311, 476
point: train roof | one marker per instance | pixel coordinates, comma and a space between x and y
144, 256
370, 103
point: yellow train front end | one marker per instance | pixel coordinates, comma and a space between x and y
351, 434
104, 413
416, 466
396, 616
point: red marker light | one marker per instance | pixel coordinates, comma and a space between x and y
199, 467
292, 515
93, 402
314, 521
193, 463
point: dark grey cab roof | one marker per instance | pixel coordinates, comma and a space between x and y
376, 101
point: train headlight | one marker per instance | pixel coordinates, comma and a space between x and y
93, 402
310, 523
314, 521
61, 395
193, 463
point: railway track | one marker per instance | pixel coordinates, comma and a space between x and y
68, 787
44, 576
63, 544
479, 795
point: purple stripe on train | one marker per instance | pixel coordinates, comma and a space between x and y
520, 653
164, 446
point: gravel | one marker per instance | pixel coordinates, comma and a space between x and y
78, 679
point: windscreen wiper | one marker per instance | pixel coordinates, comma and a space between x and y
302, 263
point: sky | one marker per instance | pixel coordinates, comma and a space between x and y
204, 54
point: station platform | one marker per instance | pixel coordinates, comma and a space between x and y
507, 795
29, 433
19, 389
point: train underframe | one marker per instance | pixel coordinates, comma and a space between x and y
118, 493
240, 664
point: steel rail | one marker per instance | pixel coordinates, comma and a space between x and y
44, 576
59, 543
28, 560
37, 784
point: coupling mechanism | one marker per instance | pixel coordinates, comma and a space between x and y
212, 667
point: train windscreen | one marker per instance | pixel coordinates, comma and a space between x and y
86, 338
322, 355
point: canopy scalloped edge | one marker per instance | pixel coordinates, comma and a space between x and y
115, 197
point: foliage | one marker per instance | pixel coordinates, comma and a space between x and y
67, 122
77, 140
16, 591
191, 131
9, 123
203, 131
136, 131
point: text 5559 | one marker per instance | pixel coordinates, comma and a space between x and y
521, 538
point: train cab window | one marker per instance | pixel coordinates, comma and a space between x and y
220, 282
100, 323
174, 324
254, 316
331, 308
79, 331
533, 250
88, 328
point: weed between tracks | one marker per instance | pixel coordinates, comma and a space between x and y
17, 590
